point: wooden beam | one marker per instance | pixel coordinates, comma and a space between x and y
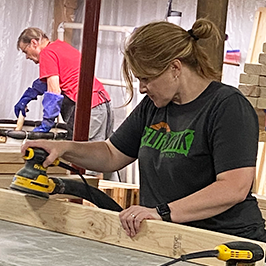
6, 179
262, 204
157, 237
11, 161
64, 11
257, 36
216, 11
86, 77
89, 46
12, 168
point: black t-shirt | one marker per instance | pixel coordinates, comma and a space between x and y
181, 149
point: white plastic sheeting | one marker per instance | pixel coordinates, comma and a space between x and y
17, 73
131, 13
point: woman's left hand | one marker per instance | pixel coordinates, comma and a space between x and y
132, 217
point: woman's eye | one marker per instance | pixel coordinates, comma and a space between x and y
145, 80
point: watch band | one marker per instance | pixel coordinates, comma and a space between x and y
164, 211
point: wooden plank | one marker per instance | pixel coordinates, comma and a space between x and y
205, 10
11, 161
262, 204
258, 36
125, 194
12, 168
6, 179
262, 81
253, 101
262, 58
263, 70
261, 103
64, 12
263, 92
249, 79
262, 137
157, 237
10, 153
252, 68
249, 90
261, 168
261, 117
109, 183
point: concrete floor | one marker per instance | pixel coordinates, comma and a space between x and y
27, 246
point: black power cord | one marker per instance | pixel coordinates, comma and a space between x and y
76, 171
94, 195
196, 255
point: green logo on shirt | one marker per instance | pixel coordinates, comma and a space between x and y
160, 137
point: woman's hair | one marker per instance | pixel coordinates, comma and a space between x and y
151, 48
31, 33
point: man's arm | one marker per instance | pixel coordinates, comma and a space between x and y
53, 84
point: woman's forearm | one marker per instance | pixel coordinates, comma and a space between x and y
230, 188
99, 156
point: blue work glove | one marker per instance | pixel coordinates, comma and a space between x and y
51, 108
38, 88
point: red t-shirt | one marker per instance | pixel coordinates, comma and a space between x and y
61, 59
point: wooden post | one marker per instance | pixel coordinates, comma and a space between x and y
64, 12
216, 11
89, 45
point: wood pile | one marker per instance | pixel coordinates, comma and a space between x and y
11, 161
253, 86
124, 194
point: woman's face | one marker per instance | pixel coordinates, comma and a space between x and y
162, 89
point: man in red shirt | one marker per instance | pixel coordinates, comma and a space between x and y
59, 65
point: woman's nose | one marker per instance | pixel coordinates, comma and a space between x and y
142, 88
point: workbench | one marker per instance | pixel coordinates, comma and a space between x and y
37, 231
28, 246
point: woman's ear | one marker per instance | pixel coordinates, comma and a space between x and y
176, 67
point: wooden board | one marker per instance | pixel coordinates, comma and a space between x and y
262, 204
258, 36
124, 194
206, 10
11, 168
11, 161
157, 237
5, 180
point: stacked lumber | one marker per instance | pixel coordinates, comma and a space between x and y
11, 161
253, 86
124, 194
253, 81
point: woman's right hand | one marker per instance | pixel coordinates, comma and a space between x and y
55, 149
